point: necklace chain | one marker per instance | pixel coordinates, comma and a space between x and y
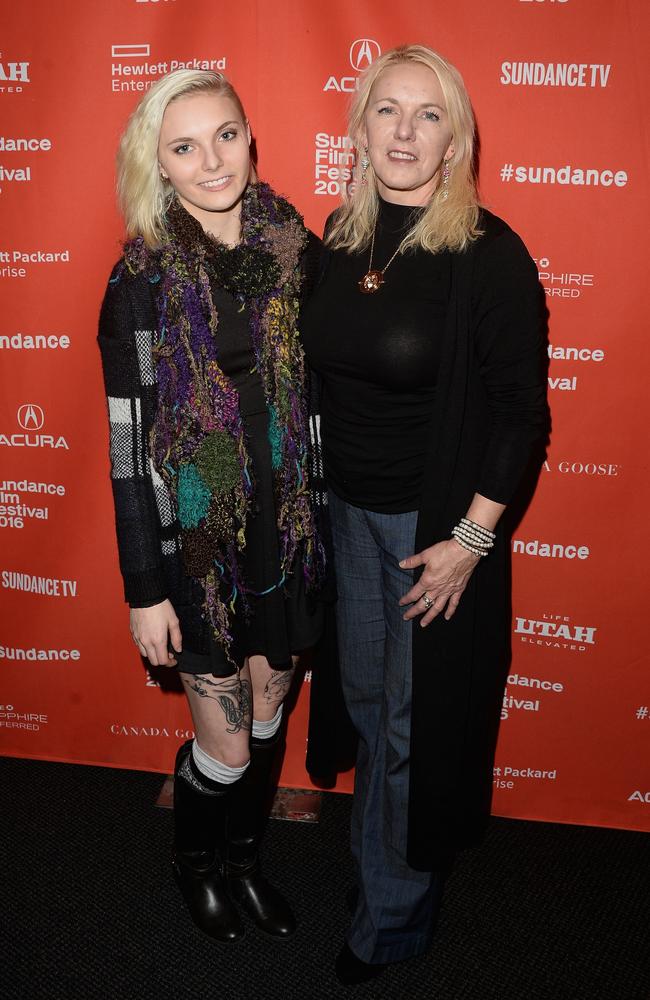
372, 250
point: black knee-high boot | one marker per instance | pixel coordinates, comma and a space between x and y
247, 814
199, 825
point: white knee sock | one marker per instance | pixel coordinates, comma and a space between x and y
265, 730
214, 769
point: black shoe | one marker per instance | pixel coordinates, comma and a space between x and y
247, 815
264, 904
199, 819
351, 971
203, 888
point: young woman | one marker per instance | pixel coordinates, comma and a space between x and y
208, 438
427, 332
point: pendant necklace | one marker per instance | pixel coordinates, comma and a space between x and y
373, 280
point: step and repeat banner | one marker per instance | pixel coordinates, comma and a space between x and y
560, 92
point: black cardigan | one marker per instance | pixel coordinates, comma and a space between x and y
148, 534
489, 414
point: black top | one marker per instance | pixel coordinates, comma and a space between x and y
378, 358
235, 351
280, 621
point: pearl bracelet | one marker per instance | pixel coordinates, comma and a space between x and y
474, 537
478, 528
468, 546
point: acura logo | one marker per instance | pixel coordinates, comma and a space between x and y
363, 52
31, 417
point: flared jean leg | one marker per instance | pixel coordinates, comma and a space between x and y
361, 635
397, 905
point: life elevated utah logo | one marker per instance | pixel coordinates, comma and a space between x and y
13, 75
553, 631
31, 420
363, 53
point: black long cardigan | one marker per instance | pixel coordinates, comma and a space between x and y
489, 415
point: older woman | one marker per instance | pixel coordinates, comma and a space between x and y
204, 376
427, 331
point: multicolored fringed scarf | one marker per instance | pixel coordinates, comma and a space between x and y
198, 442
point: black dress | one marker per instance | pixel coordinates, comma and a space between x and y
283, 620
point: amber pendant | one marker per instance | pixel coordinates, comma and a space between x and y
371, 282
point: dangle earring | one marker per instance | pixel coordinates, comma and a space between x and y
365, 163
446, 174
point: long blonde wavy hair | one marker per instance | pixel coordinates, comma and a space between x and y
447, 223
144, 195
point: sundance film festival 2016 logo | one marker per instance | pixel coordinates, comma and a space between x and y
334, 159
11, 173
31, 419
558, 379
363, 53
528, 700
554, 632
13, 75
16, 512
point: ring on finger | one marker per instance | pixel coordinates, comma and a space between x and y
426, 600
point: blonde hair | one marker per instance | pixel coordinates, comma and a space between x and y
447, 223
143, 195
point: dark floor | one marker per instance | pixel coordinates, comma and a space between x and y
88, 908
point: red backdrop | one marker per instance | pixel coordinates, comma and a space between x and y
559, 88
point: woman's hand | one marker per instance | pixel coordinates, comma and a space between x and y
448, 567
152, 629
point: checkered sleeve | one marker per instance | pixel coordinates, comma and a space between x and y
126, 328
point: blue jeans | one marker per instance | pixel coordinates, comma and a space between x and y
397, 906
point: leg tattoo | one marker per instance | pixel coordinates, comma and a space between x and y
277, 686
233, 695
